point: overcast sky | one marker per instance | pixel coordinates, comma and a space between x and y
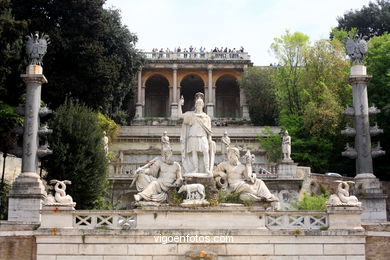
252, 24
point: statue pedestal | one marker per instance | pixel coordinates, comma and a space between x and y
287, 169
370, 193
345, 217
57, 216
174, 111
26, 197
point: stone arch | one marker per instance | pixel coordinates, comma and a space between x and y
156, 96
190, 85
227, 97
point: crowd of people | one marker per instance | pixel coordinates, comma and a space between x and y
193, 52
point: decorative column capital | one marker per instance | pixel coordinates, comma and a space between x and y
174, 67
210, 67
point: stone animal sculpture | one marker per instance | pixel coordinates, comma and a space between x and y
192, 189
60, 194
342, 197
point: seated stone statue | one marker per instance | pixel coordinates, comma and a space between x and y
155, 178
240, 178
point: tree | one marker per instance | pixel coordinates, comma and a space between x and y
77, 156
11, 32
311, 93
325, 90
289, 50
259, 88
371, 20
9, 120
378, 65
95, 63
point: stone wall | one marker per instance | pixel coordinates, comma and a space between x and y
377, 241
247, 245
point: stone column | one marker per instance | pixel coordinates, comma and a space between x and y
244, 106
371, 195
210, 104
139, 106
174, 93
359, 79
28, 192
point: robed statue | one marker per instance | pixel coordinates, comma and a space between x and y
197, 147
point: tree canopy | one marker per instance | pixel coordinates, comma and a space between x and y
371, 20
311, 91
259, 88
91, 57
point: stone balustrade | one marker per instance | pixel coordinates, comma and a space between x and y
176, 217
85, 219
120, 170
197, 56
305, 220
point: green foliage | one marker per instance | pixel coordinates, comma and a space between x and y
177, 198
107, 125
9, 120
371, 20
342, 34
4, 189
228, 197
311, 93
95, 63
315, 202
378, 65
289, 50
78, 154
259, 88
11, 32
272, 143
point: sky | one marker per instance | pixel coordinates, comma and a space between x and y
252, 24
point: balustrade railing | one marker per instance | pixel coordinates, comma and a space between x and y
297, 219
278, 220
104, 219
197, 55
127, 170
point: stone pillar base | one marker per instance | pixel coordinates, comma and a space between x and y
287, 169
174, 111
57, 216
210, 110
345, 217
25, 198
245, 112
138, 111
370, 193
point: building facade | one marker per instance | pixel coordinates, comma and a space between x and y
169, 75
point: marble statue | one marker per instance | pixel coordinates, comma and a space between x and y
194, 191
342, 197
240, 178
165, 145
286, 146
198, 149
60, 196
225, 143
154, 179
105, 142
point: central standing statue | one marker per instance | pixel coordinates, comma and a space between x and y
198, 149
